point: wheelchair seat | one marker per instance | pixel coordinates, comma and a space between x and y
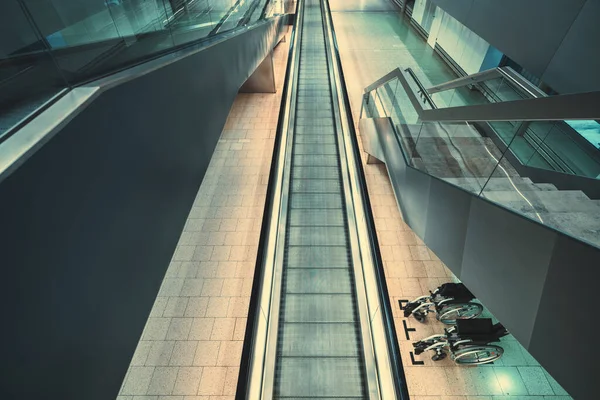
480, 330
457, 291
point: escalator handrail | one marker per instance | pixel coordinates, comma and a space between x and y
30, 58
454, 114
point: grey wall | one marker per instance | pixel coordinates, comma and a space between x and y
554, 39
532, 278
90, 221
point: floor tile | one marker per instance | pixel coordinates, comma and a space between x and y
160, 353
535, 380
163, 380
188, 381
183, 353
510, 381
138, 380
206, 353
213, 381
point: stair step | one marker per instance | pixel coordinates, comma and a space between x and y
468, 167
432, 130
545, 186
500, 184
559, 201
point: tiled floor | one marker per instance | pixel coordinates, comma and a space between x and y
371, 45
192, 343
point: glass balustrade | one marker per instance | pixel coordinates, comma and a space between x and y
51, 45
507, 168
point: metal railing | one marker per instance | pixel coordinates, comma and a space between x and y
474, 159
582, 106
507, 73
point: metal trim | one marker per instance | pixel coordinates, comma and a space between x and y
465, 80
567, 106
278, 227
384, 79
521, 83
29, 117
17, 148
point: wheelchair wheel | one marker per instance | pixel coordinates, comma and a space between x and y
419, 316
450, 313
439, 357
476, 355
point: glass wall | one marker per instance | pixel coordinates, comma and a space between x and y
423, 13
465, 47
49, 45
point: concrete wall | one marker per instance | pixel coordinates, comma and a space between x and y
91, 220
554, 39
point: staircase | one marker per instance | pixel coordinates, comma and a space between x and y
458, 154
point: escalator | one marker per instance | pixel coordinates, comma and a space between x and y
328, 331
319, 353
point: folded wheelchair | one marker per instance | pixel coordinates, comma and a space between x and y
450, 301
468, 342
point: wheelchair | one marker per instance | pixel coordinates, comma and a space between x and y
468, 342
450, 301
